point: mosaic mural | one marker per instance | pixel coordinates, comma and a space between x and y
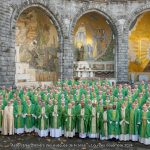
37, 41
139, 44
93, 38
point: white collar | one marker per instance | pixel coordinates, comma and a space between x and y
145, 111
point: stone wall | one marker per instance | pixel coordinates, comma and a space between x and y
65, 14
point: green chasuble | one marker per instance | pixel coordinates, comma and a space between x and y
36, 114
43, 120
83, 115
32, 97
93, 120
69, 119
115, 92
2, 106
35, 98
46, 97
21, 93
19, 116
135, 95
142, 86
89, 108
30, 115
77, 109
125, 92
63, 113
10, 95
49, 115
144, 124
130, 99
113, 118
3, 93
103, 121
141, 101
133, 121
124, 120
56, 117
42, 94
5, 101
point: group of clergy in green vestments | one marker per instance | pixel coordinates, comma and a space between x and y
88, 109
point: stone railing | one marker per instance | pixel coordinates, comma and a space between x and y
139, 76
84, 69
26, 74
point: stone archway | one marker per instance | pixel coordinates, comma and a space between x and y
138, 63
54, 21
110, 20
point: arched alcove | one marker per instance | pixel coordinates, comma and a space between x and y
95, 46
37, 46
